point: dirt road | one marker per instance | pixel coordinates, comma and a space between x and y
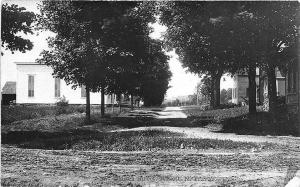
209, 132
176, 167
24, 167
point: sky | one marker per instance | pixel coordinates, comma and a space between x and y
182, 82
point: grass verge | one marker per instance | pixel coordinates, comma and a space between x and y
219, 114
121, 141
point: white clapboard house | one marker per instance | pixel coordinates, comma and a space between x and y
240, 87
36, 85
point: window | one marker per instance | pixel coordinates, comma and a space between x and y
57, 87
83, 91
30, 86
108, 98
292, 78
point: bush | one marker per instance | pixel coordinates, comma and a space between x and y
62, 105
80, 109
227, 105
280, 101
62, 101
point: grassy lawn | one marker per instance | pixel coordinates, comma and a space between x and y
14, 113
219, 114
237, 120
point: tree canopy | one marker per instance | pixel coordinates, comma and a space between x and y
102, 45
15, 20
265, 33
216, 37
108, 31
193, 29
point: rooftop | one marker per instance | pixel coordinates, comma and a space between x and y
27, 63
9, 88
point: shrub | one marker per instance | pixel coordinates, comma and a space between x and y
62, 105
227, 105
62, 101
80, 109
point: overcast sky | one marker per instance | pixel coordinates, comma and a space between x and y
182, 83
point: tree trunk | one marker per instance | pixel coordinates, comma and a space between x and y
131, 102
102, 102
120, 102
217, 85
87, 106
197, 102
272, 89
261, 87
212, 94
112, 103
138, 103
216, 90
252, 89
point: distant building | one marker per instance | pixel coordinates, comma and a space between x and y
293, 87
35, 84
8, 93
240, 90
280, 85
293, 90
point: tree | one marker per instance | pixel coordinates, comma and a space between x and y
246, 52
193, 29
146, 77
205, 88
278, 32
263, 32
156, 75
126, 34
73, 52
254, 34
15, 20
77, 51
97, 43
